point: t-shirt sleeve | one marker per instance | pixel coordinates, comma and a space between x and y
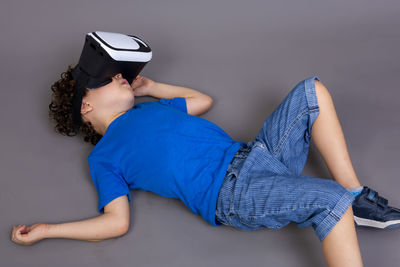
176, 102
108, 181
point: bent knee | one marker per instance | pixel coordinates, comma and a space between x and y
321, 88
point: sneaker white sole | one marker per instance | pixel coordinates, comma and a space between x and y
376, 224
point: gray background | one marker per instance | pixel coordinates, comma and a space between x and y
247, 55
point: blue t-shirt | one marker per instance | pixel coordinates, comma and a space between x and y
157, 146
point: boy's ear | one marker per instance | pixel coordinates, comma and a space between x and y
85, 107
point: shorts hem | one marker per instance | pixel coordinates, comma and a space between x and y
329, 222
309, 85
312, 101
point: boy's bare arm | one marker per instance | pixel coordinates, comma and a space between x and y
196, 102
97, 228
163, 90
113, 223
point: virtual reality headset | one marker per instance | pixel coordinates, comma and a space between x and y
104, 55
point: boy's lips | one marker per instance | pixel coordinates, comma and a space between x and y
124, 81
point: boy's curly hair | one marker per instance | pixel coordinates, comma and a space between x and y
60, 109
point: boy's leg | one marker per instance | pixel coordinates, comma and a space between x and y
370, 209
340, 247
327, 134
263, 199
286, 133
306, 113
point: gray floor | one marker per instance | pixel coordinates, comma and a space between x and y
247, 55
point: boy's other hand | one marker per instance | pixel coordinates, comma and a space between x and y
28, 235
141, 85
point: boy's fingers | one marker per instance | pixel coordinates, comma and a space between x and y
19, 230
15, 238
16, 233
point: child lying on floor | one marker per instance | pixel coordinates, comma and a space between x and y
163, 147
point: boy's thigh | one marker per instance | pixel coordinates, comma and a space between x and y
261, 201
286, 132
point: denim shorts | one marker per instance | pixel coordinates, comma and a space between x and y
263, 186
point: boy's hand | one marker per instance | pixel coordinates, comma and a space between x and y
28, 235
141, 85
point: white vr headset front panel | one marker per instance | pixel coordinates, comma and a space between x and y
122, 41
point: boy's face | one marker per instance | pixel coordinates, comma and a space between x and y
113, 98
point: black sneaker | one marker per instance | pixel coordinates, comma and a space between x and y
371, 210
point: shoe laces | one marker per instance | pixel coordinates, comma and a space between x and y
375, 198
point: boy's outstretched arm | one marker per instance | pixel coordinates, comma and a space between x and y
113, 223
